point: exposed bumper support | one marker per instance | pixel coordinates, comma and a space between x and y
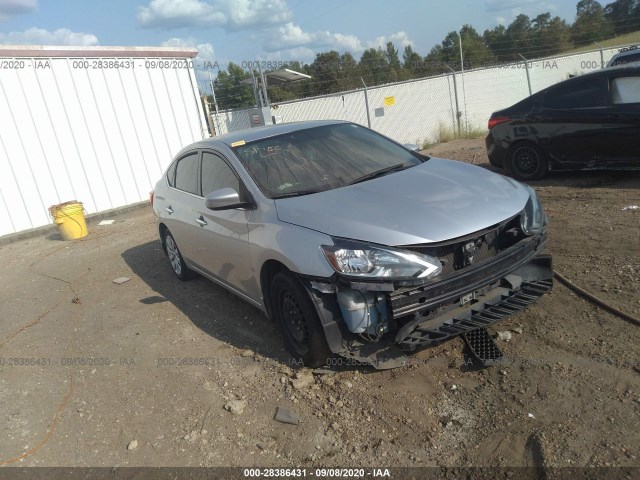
513, 291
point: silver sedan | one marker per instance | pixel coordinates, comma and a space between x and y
357, 247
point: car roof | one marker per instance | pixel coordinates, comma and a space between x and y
608, 72
260, 133
604, 72
627, 51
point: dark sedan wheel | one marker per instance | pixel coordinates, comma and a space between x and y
526, 161
175, 258
298, 321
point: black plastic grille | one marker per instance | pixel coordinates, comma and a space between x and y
407, 300
477, 316
482, 346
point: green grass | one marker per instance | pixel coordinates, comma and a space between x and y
446, 134
632, 38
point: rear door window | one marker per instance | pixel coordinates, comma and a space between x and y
584, 93
187, 174
625, 90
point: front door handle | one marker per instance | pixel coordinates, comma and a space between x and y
169, 210
201, 221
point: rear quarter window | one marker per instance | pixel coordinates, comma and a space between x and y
186, 178
171, 174
625, 90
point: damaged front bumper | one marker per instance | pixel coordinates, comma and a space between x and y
422, 316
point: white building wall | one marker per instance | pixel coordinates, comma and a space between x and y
100, 135
231, 121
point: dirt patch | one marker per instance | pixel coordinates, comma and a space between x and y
155, 360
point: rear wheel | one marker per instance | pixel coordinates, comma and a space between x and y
175, 257
526, 161
298, 320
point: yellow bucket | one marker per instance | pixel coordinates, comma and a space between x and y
69, 217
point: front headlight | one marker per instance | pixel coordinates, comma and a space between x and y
359, 259
533, 218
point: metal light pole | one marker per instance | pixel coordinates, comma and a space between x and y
264, 86
215, 102
366, 102
526, 67
601, 54
464, 92
455, 93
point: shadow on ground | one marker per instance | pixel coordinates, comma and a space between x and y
210, 307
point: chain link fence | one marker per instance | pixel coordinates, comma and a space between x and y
431, 109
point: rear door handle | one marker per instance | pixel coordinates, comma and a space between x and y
201, 221
169, 210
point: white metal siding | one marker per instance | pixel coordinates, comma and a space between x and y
100, 136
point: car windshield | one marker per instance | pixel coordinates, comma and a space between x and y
321, 158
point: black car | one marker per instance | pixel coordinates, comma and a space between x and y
584, 123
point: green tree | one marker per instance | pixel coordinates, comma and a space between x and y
412, 63
474, 50
436, 61
549, 36
518, 36
623, 15
558, 36
591, 23
325, 71
496, 41
230, 93
349, 73
374, 66
395, 68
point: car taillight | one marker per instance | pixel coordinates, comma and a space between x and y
151, 198
493, 121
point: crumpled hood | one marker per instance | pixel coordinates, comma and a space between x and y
432, 202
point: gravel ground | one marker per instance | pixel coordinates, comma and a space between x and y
568, 396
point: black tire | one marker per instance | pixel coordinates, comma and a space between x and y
178, 265
526, 161
298, 321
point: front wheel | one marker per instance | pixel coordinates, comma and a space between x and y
175, 257
298, 321
527, 161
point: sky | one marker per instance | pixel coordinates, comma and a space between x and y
266, 30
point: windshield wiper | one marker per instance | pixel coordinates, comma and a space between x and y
299, 193
378, 173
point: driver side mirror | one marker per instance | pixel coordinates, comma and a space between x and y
411, 146
225, 199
